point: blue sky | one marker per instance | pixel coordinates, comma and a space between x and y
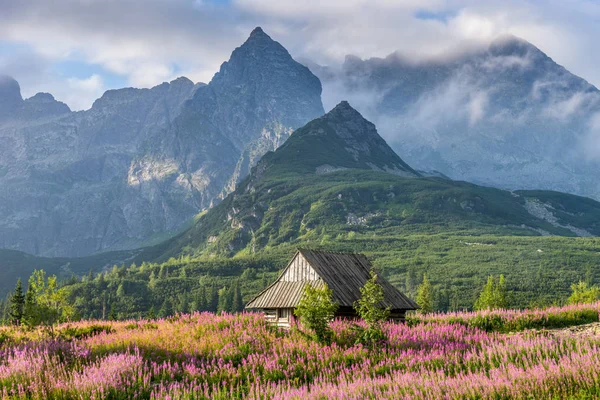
78, 49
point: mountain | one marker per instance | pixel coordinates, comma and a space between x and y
137, 166
366, 199
336, 175
505, 115
356, 141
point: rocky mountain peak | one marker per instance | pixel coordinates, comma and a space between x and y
340, 139
257, 32
10, 94
44, 104
181, 81
345, 110
510, 45
263, 76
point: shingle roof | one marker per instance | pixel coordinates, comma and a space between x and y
344, 274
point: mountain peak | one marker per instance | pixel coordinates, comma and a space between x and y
341, 139
10, 93
511, 45
344, 108
257, 31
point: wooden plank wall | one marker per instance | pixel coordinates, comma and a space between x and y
300, 270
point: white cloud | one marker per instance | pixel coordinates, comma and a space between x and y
77, 93
149, 41
591, 144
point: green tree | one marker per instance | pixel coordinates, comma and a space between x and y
370, 307
112, 314
583, 293
184, 303
237, 302
501, 293
48, 300
17, 304
316, 309
213, 302
225, 299
31, 315
425, 296
166, 310
493, 294
163, 273
152, 280
151, 313
199, 302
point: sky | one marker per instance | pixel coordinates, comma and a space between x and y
77, 49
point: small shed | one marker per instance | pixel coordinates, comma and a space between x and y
344, 273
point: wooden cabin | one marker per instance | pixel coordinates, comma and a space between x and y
344, 273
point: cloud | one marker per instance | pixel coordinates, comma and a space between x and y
150, 41
82, 91
591, 143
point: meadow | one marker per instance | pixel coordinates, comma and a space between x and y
515, 354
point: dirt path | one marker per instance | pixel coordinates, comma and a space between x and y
587, 330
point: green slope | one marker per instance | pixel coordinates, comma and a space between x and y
458, 233
288, 198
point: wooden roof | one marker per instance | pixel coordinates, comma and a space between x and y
344, 273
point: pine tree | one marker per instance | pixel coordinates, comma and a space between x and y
201, 304
501, 293
371, 309
112, 314
493, 295
583, 293
454, 299
166, 310
151, 313
224, 304
184, 304
213, 302
17, 303
265, 281
30, 310
237, 302
425, 296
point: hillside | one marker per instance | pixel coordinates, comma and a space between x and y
328, 178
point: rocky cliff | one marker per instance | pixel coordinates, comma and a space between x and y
142, 162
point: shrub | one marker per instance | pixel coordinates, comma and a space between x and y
371, 309
316, 309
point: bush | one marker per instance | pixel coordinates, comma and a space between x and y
73, 333
316, 309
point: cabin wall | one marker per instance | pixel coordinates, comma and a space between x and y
282, 317
300, 270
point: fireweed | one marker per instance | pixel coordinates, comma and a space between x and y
203, 356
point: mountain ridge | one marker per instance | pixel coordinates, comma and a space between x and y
286, 201
143, 162
505, 115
